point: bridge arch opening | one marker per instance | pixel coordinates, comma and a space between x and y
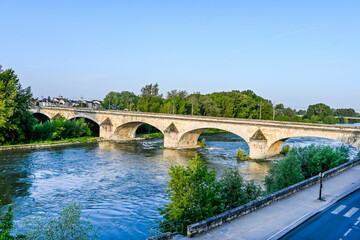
41, 117
215, 138
276, 147
93, 125
132, 130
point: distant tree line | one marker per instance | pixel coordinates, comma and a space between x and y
233, 104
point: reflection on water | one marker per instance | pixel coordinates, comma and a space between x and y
120, 185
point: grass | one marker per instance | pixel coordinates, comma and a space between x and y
49, 141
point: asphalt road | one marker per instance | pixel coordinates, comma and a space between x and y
341, 221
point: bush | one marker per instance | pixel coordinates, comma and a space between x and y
285, 149
202, 144
59, 128
240, 154
284, 173
6, 224
66, 226
194, 193
311, 158
236, 192
303, 163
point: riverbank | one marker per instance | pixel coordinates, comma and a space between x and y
272, 221
49, 143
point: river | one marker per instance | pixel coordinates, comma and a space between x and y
119, 185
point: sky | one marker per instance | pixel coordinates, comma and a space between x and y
293, 52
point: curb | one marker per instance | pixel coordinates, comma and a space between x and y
311, 214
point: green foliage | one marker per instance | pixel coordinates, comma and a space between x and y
235, 191
152, 135
194, 193
311, 158
122, 100
303, 163
285, 149
6, 224
202, 143
68, 225
345, 112
240, 154
284, 173
15, 120
59, 128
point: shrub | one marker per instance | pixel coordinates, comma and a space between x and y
6, 224
311, 158
302, 163
240, 154
285, 149
194, 193
202, 144
67, 225
236, 192
284, 173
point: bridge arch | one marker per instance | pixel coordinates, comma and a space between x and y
41, 117
92, 124
127, 131
190, 138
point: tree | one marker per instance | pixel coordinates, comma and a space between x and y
194, 193
321, 110
234, 191
284, 173
15, 119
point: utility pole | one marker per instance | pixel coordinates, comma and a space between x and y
173, 102
274, 111
260, 104
82, 101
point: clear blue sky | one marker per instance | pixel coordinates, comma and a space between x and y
292, 52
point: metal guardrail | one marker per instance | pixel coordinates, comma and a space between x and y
173, 226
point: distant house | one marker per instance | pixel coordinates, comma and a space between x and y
65, 102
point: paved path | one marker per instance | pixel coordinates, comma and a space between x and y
265, 222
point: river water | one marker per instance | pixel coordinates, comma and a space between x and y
119, 185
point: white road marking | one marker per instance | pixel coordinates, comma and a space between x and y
339, 209
348, 231
357, 223
351, 212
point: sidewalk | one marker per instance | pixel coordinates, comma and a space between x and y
265, 222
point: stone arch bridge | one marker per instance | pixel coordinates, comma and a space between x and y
264, 137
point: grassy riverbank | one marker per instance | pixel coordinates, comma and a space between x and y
44, 143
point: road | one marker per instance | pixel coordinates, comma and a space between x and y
341, 221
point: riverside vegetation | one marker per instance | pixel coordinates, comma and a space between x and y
18, 125
196, 194
68, 225
233, 104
